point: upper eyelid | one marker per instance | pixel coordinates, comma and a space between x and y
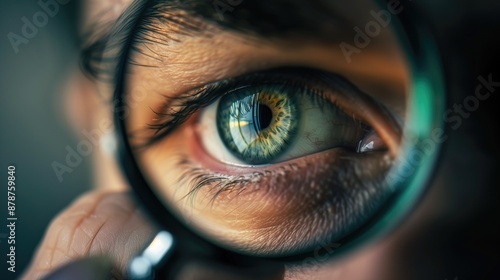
205, 95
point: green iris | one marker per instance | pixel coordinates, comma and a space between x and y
257, 123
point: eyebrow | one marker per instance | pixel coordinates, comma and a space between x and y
266, 18
162, 20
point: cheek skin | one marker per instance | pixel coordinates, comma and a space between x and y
269, 209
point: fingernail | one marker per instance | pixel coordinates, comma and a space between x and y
88, 268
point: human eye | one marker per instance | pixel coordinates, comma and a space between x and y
275, 116
262, 147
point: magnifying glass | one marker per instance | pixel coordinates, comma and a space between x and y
278, 139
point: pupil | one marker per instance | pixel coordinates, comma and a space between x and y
265, 116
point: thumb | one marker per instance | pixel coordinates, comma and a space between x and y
97, 224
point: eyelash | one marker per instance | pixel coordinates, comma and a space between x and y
197, 178
196, 99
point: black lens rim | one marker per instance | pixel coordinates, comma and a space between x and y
412, 29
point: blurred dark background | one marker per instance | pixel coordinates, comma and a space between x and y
34, 131
33, 128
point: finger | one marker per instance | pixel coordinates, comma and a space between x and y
97, 224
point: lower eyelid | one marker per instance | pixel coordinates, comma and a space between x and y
297, 191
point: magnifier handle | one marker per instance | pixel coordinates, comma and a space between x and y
153, 257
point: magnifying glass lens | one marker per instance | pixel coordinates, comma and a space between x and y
271, 144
